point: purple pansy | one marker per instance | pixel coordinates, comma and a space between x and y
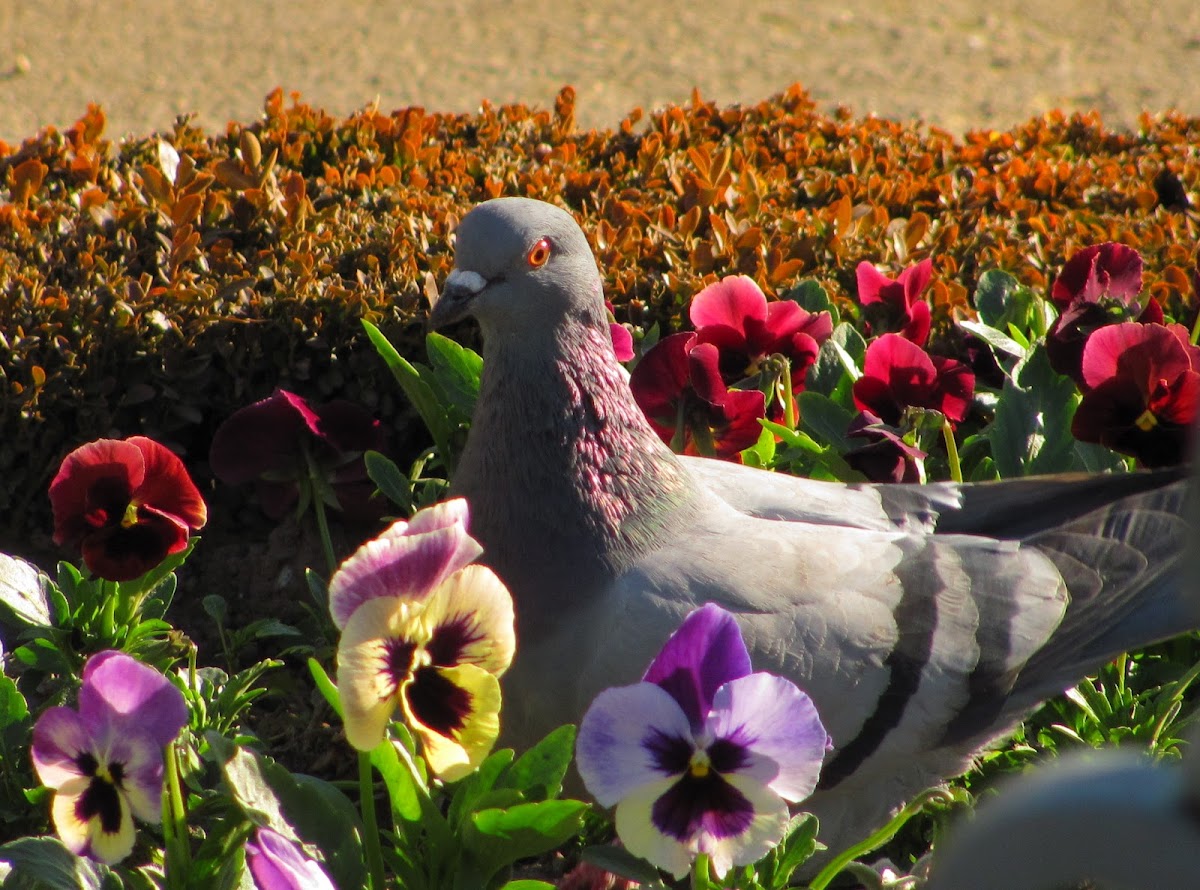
424, 634
104, 761
278, 442
277, 864
702, 756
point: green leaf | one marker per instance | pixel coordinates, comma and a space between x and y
825, 420
46, 860
840, 357
23, 591
527, 885
419, 392
456, 371
469, 792
620, 862
1031, 432
996, 339
495, 838
811, 295
297, 806
798, 845
390, 481
539, 772
13, 709
402, 791
995, 299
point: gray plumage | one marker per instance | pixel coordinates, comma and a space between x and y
924, 621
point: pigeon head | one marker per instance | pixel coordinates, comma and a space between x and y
520, 266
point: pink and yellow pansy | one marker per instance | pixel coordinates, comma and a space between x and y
425, 634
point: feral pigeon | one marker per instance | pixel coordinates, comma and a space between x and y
924, 621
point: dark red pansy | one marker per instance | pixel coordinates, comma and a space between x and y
895, 304
885, 457
733, 315
899, 374
679, 388
1142, 392
272, 442
126, 503
1098, 286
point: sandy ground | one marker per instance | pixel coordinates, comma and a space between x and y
978, 63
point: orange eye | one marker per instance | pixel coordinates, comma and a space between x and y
539, 253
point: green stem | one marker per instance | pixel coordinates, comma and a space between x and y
108, 610
789, 405
323, 529
952, 452
878, 839
366, 791
1195, 337
700, 873
178, 851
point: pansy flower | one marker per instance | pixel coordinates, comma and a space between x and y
276, 863
678, 386
126, 503
885, 456
279, 442
702, 755
1143, 392
104, 761
733, 315
1099, 286
895, 304
899, 374
426, 635
622, 340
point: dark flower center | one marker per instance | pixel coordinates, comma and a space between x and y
702, 801
450, 639
437, 702
102, 797
399, 657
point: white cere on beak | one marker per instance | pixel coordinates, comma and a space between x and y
464, 279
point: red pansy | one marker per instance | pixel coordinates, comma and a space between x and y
895, 304
899, 374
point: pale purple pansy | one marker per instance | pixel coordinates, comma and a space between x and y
104, 761
276, 863
702, 756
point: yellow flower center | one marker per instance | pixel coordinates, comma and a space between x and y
1147, 421
130, 519
699, 765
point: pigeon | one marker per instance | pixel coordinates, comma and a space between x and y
924, 621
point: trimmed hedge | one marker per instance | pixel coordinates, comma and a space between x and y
156, 286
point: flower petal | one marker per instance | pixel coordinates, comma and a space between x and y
455, 712
760, 836
408, 559
93, 486
615, 749
778, 726
706, 652
276, 863
637, 831
166, 485
369, 684
265, 437
469, 620
59, 736
730, 302
622, 342
93, 819
132, 695
1140, 353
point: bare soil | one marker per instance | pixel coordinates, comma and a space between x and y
957, 65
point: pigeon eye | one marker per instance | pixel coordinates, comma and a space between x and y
539, 253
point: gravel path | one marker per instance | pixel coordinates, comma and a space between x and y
979, 63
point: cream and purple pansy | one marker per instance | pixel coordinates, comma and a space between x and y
104, 761
426, 634
702, 756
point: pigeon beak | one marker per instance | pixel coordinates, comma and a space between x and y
462, 286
